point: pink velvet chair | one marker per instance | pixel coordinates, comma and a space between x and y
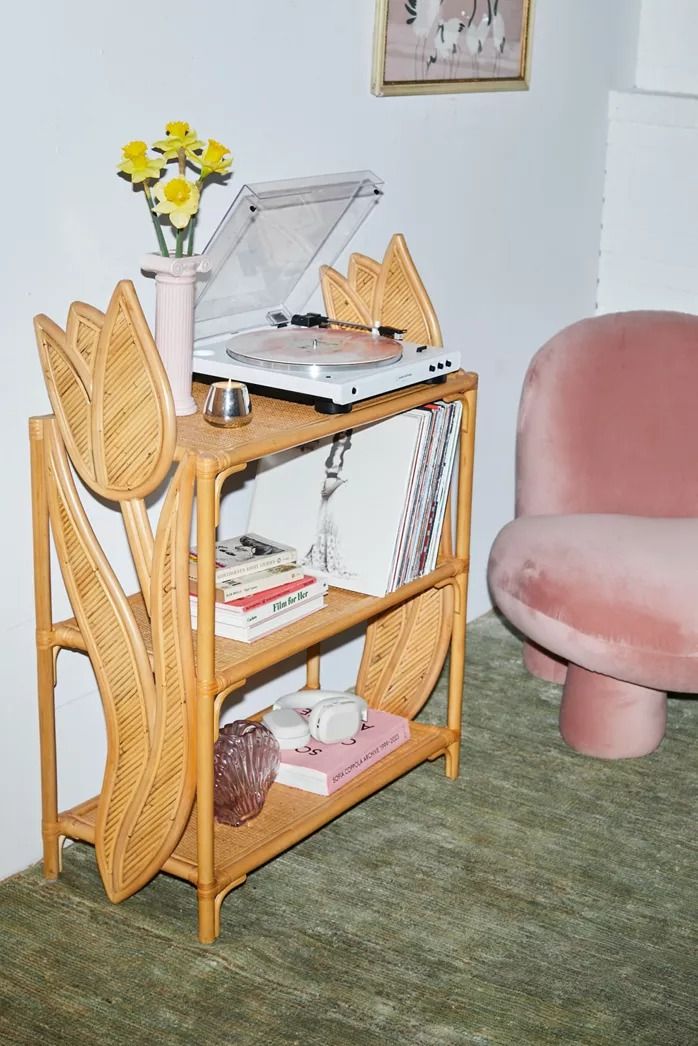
600, 568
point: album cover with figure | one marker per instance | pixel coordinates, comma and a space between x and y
340, 501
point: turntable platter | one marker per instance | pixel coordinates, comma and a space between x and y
309, 350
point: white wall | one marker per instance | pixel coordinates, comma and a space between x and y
499, 196
666, 57
649, 242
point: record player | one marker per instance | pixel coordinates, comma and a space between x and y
264, 263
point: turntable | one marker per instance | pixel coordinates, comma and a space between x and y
265, 260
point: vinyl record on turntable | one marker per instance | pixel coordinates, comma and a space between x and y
307, 351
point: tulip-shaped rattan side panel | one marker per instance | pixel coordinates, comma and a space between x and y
148, 785
114, 408
110, 395
114, 421
405, 648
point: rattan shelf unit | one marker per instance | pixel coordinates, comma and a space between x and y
161, 687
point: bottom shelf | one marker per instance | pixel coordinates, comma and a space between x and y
289, 814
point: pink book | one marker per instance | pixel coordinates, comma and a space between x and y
324, 768
259, 599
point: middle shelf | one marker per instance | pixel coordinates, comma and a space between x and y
236, 662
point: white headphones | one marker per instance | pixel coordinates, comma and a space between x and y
334, 716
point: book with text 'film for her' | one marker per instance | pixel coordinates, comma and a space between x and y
265, 605
247, 633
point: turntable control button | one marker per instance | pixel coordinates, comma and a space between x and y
440, 366
448, 363
421, 348
432, 367
353, 390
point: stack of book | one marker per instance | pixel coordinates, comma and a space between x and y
260, 587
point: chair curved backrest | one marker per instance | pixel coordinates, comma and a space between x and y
608, 421
114, 421
406, 647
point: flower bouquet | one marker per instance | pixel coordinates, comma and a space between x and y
177, 198
174, 202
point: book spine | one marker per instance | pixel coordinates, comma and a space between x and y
248, 566
252, 585
248, 603
272, 608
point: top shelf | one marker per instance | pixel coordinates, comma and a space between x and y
278, 424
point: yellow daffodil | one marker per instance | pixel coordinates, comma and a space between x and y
179, 136
215, 159
178, 199
138, 164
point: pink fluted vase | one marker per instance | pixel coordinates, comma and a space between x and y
175, 287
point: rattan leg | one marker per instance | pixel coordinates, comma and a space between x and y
208, 917
49, 784
456, 675
458, 634
312, 668
45, 653
220, 897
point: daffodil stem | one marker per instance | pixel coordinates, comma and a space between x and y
179, 241
156, 224
190, 242
192, 221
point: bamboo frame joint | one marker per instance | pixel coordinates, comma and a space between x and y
206, 467
46, 639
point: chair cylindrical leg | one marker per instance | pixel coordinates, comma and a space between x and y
609, 718
543, 665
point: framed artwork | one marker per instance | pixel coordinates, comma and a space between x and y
447, 46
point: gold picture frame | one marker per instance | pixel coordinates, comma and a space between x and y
435, 47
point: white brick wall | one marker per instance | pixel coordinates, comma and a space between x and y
649, 238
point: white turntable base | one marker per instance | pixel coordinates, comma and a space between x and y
341, 385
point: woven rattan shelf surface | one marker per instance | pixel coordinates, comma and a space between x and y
289, 814
236, 661
278, 424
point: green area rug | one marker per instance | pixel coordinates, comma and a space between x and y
542, 898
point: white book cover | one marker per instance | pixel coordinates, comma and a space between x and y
244, 555
248, 633
340, 501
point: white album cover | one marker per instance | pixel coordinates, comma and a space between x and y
339, 501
